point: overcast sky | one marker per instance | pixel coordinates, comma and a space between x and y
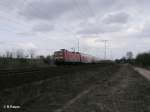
49, 25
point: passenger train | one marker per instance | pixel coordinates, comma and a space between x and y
65, 56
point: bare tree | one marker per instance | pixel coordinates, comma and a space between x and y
20, 53
129, 55
9, 54
40, 57
31, 53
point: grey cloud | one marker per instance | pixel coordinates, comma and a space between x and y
102, 3
120, 18
2, 42
141, 33
26, 34
54, 9
43, 27
90, 30
46, 10
9, 4
27, 46
144, 33
101, 28
67, 14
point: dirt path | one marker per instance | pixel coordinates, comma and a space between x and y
144, 72
72, 101
125, 92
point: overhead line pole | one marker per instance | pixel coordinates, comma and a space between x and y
105, 42
78, 46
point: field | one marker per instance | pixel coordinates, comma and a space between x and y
17, 77
82, 88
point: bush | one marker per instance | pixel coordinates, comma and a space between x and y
143, 59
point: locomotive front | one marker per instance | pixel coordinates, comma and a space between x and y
59, 56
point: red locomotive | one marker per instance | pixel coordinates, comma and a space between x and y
65, 56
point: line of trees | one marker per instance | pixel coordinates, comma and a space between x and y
126, 59
20, 53
21, 58
142, 59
